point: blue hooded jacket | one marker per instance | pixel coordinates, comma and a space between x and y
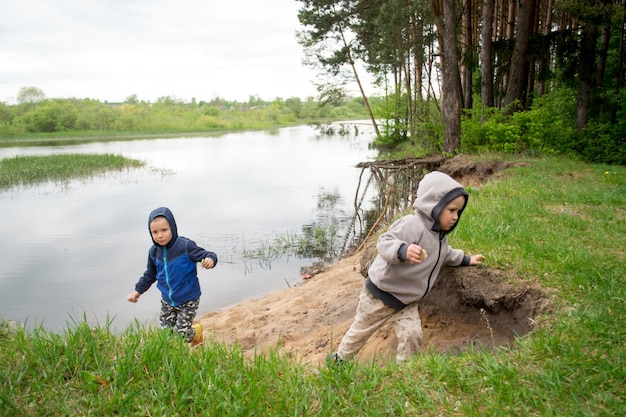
173, 266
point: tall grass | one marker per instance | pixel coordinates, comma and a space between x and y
313, 242
557, 221
25, 170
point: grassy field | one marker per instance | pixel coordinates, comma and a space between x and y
558, 221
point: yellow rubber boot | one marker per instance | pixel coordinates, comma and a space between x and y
197, 337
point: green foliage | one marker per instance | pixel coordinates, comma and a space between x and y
604, 138
492, 134
549, 124
604, 142
424, 132
7, 114
396, 43
167, 115
391, 110
49, 116
541, 130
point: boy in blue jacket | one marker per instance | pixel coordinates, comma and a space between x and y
172, 264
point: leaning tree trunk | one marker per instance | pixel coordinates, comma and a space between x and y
361, 90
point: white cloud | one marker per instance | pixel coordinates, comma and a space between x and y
110, 49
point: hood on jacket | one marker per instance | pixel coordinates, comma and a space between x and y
434, 192
165, 212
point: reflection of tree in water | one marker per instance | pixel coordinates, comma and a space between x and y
321, 239
332, 129
336, 231
388, 189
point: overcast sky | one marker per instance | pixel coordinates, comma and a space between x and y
111, 49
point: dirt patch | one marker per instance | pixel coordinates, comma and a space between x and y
469, 307
471, 173
479, 307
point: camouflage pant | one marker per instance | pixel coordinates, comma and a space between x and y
179, 318
372, 314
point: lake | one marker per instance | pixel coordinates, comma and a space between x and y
75, 249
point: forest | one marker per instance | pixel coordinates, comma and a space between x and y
539, 76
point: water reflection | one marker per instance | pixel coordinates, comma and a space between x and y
78, 247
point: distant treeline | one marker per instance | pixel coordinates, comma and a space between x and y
547, 128
37, 115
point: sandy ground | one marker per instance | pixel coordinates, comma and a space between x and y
467, 307
299, 320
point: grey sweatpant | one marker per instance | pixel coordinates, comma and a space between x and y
372, 314
179, 318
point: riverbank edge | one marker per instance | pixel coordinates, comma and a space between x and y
78, 138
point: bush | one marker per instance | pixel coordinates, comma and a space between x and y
487, 129
603, 143
50, 116
544, 129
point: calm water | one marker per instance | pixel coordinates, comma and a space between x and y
76, 249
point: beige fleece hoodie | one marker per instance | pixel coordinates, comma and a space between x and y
405, 281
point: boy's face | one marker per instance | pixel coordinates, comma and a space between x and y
160, 231
450, 215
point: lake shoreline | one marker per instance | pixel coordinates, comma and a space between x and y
98, 224
78, 138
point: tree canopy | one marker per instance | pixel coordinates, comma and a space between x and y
457, 59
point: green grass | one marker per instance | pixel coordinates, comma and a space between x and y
28, 170
557, 221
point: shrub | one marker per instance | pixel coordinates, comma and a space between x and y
545, 128
603, 143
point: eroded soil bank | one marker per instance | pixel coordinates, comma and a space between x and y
473, 307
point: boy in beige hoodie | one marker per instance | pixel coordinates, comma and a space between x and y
410, 256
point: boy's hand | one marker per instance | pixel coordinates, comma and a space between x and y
476, 259
133, 296
415, 254
207, 263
